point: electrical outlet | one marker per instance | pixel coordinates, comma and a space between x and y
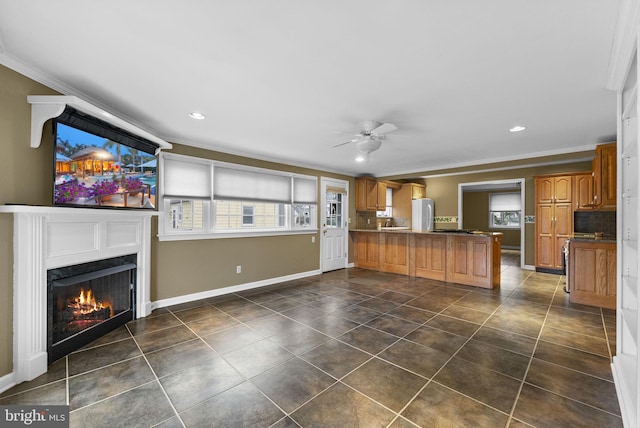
313, 239
239, 269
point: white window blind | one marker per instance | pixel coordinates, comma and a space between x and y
504, 202
186, 179
250, 185
304, 191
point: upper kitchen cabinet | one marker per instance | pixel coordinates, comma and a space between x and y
604, 176
403, 196
371, 195
583, 191
553, 189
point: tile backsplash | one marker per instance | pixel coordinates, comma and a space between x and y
595, 221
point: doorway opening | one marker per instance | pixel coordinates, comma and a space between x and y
507, 219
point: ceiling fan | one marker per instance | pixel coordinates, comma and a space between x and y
370, 137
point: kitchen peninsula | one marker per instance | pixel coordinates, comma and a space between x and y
468, 258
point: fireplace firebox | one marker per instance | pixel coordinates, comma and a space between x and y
87, 301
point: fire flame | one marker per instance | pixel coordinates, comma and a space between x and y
86, 303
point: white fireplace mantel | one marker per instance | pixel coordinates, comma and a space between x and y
50, 237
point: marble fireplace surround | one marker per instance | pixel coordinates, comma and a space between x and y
50, 237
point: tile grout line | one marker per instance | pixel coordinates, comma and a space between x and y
451, 358
533, 352
157, 380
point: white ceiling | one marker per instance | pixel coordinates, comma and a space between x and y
282, 79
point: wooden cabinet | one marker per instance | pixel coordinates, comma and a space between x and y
394, 253
604, 176
583, 191
403, 196
554, 219
553, 189
473, 261
450, 257
366, 250
592, 273
430, 256
371, 195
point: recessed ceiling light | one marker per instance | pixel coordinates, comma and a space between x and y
517, 128
360, 158
196, 115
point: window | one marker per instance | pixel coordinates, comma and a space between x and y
505, 210
388, 212
185, 214
333, 216
203, 198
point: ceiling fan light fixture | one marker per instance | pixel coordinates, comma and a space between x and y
196, 115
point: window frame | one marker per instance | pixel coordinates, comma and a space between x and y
503, 212
209, 229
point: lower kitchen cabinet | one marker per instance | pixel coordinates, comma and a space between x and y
366, 250
394, 253
430, 256
450, 257
474, 261
592, 273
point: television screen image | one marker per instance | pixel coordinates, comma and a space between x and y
92, 170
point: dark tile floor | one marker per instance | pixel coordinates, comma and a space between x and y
350, 348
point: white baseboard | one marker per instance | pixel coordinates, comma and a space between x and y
231, 289
529, 267
7, 381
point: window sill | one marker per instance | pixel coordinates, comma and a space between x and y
232, 234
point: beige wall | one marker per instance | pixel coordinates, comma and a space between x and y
186, 267
26, 177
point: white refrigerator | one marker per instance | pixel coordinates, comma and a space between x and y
422, 214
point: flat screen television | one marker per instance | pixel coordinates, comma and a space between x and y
99, 165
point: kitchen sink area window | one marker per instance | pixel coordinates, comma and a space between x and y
505, 210
204, 199
388, 211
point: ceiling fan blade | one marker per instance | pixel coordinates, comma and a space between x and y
384, 128
342, 144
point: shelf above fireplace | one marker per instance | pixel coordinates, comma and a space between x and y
45, 107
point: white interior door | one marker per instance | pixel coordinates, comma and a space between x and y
333, 239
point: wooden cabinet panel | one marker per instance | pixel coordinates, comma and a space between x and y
394, 253
471, 261
592, 273
583, 191
608, 166
402, 198
563, 186
361, 194
604, 167
366, 251
371, 195
544, 188
430, 256
554, 219
381, 196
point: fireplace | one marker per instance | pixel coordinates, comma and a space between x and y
50, 239
88, 300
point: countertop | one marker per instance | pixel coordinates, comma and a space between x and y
435, 232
